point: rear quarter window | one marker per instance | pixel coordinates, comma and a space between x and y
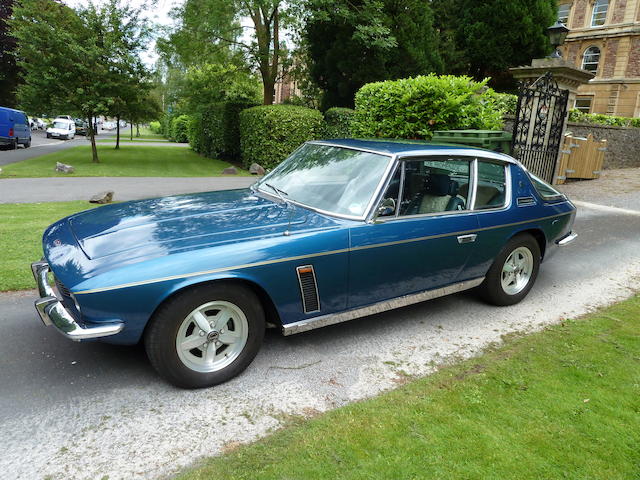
546, 191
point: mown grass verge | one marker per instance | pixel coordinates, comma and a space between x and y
21, 229
560, 404
127, 161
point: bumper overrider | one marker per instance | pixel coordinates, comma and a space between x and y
53, 312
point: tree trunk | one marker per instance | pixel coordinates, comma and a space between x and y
268, 84
117, 132
137, 129
131, 129
92, 137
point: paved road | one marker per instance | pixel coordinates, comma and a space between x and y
88, 410
41, 145
58, 189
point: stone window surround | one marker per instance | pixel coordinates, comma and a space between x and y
591, 97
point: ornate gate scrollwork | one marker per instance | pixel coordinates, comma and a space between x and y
537, 131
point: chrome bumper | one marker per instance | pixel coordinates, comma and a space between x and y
53, 312
566, 240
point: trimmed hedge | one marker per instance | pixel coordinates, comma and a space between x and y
215, 132
414, 108
155, 127
179, 127
338, 122
268, 134
600, 119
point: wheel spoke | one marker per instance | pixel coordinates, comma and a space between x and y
202, 322
222, 318
210, 354
192, 342
229, 337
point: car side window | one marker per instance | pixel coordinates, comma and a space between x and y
388, 206
434, 186
491, 190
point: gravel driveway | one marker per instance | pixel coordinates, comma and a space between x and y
88, 410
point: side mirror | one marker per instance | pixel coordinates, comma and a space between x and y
387, 207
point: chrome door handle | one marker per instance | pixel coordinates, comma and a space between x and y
467, 238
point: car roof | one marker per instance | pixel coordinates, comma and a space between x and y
11, 110
402, 147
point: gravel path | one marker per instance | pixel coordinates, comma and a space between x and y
59, 189
77, 411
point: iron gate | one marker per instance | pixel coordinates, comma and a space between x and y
537, 131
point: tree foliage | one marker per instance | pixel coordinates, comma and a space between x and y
80, 62
8, 68
485, 38
352, 43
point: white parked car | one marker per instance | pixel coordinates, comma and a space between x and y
108, 125
63, 117
62, 128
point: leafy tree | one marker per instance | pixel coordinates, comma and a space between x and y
214, 28
8, 67
75, 61
354, 42
486, 37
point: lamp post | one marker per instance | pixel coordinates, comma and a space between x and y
557, 34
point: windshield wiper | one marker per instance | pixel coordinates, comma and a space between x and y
279, 192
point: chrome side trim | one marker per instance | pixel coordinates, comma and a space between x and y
567, 240
52, 311
332, 319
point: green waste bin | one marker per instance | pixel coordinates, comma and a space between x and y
495, 140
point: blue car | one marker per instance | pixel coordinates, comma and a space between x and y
341, 229
14, 128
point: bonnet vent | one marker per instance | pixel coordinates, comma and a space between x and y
308, 289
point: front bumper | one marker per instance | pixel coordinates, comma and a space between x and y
53, 312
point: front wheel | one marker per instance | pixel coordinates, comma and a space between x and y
513, 272
205, 335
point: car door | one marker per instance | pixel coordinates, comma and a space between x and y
422, 238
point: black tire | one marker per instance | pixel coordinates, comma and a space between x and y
14, 145
28, 144
162, 331
492, 289
48, 135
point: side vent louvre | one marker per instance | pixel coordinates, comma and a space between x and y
308, 289
526, 201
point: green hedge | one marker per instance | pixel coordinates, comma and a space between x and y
179, 127
506, 103
268, 134
599, 119
155, 127
338, 122
215, 131
414, 108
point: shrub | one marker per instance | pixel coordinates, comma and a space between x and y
179, 127
600, 119
195, 132
338, 122
165, 125
268, 134
506, 103
222, 129
155, 127
414, 108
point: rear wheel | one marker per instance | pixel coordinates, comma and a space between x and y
28, 144
13, 145
206, 335
513, 272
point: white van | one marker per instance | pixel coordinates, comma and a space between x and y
62, 128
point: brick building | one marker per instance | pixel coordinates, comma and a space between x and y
605, 39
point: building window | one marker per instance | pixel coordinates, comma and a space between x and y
599, 15
590, 59
583, 104
563, 12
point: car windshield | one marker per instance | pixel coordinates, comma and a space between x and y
61, 125
333, 179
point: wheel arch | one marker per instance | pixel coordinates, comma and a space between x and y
539, 236
271, 312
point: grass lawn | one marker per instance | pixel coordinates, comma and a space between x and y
21, 229
560, 404
128, 161
126, 138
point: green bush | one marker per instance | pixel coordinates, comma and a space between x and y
600, 119
155, 127
506, 103
338, 122
223, 126
268, 134
165, 125
179, 126
414, 108
195, 135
